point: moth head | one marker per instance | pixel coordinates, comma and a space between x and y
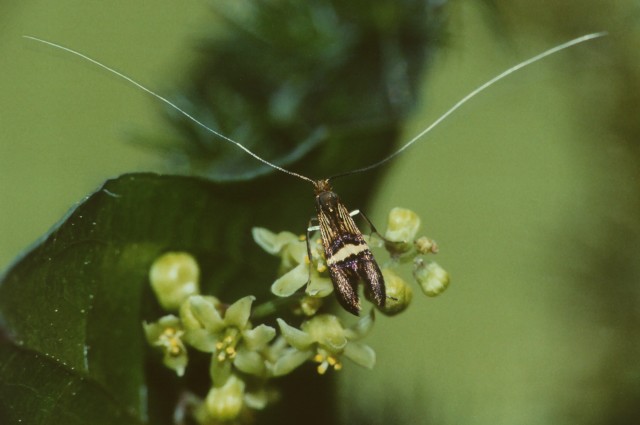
320, 186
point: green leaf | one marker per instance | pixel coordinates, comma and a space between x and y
73, 306
35, 389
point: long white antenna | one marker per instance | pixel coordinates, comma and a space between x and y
456, 106
479, 89
168, 102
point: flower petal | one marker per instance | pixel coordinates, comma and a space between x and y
272, 242
201, 310
219, 371
361, 354
250, 362
319, 287
258, 337
257, 400
238, 313
290, 360
290, 282
176, 362
295, 337
201, 340
362, 327
294, 253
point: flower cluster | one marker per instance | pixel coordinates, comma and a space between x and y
245, 354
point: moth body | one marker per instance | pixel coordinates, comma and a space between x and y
348, 256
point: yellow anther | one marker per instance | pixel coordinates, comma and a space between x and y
321, 268
318, 358
306, 259
302, 238
322, 368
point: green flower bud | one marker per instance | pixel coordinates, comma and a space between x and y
225, 403
402, 225
424, 245
399, 294
174, 277
432, 278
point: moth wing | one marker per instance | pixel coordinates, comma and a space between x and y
373, 280
346, 288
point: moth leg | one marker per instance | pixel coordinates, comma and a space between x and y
310, 229
373, 228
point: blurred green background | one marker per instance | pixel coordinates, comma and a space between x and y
531, 191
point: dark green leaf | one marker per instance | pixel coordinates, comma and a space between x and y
35, 389
72, 307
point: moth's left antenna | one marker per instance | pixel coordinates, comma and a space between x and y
168, 102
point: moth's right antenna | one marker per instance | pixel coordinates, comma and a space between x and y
479, 89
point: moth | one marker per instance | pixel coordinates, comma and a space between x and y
349, 259
348, 256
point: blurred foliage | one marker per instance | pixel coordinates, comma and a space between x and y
321, 87
288, 77
607, 281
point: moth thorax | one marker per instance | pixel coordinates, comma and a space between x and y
327, 202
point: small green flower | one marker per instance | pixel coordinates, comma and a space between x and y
432, 278
230, 338
167, 333
324, 340
174, 277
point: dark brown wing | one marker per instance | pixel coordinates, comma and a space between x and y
349, 260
